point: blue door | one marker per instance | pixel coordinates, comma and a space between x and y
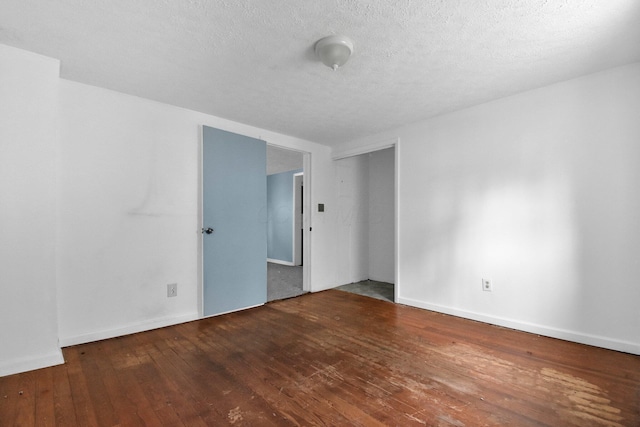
234, 221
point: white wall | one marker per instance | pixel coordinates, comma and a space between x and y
538, 192
129, 211
382, 215
28, 134
351, 217
128, 179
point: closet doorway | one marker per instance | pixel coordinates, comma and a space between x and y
366, 210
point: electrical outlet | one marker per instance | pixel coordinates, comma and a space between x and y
486, 285
172, 290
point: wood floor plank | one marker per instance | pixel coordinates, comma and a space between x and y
45, 413
395, 381
98, 392
330, 358
132, 391
83, 408
228, 396
124, 407
62, 399
8, 399
25, 408
182, 393
267, 381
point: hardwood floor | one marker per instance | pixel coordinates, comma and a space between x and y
330, 358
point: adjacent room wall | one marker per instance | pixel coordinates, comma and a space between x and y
280, 192
28, 138
538, 192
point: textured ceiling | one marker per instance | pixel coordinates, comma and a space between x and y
253, 62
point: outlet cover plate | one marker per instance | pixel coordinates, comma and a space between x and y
487, 286
172, 290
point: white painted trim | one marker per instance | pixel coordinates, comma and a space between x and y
233, 311
381, 144
396, 196
200, 254
31, 363
129, 329
277, 261
306, 223
563, 334
294, 242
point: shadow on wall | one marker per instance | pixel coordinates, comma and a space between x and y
523, 227
556, 244
502, 230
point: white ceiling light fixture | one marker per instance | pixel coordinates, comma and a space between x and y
334, 51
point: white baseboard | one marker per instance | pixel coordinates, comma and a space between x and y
126, 330
277, 261
563, 334
31, 363
382, 279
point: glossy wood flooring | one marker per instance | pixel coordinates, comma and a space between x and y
330, 358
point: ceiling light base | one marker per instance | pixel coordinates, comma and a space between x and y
334, 51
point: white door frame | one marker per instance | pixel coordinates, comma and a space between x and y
298, 250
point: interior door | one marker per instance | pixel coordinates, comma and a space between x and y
234, 222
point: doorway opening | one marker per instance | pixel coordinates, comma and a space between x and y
288, 202
366, 188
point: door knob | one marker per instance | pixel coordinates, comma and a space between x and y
208, 230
